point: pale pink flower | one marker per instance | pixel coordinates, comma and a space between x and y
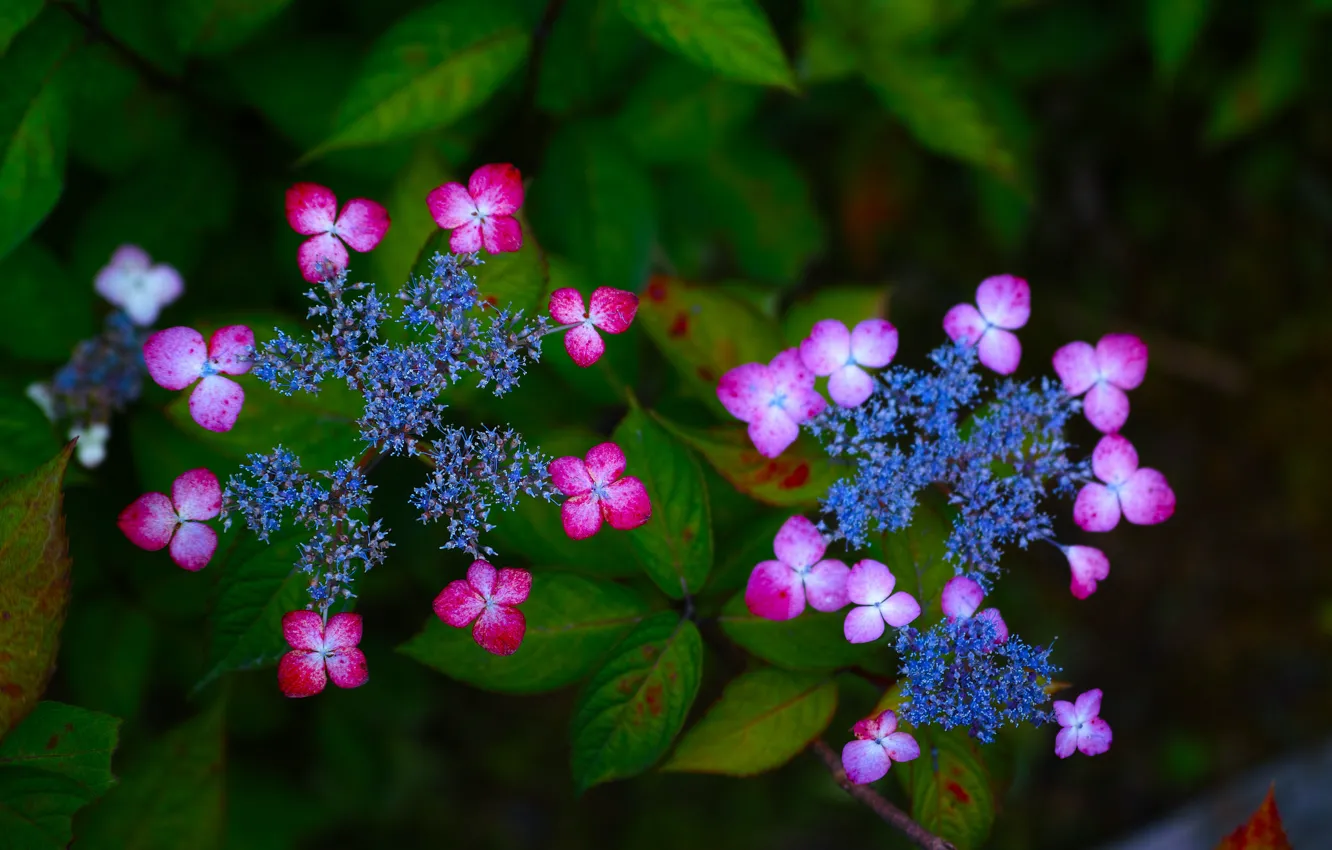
480, 214
612, 311
1117, 363
774, 400
1143, 496
1088, 566
312, 210
1003, 304
830, 350
1083, 729
870, 588
319, 653
177, 357
133, 283
878, 744
962, 596
778, 590
154, 520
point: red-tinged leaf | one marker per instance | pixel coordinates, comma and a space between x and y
950, 787
34, 585
1262, 831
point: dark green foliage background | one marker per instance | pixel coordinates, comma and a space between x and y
1160, 167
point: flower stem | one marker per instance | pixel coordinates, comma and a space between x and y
877, 803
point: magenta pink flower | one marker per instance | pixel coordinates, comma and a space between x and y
962, 596
778, 590
833, 351
1117, 363
486, 601
153, 521
1083, 729
870, 587
1142, 495
480, 214
774, 400
612, 310
132, 283
319, 653
312, 210
1088, 566
176, 358
597, 492
1003, 304
878, 745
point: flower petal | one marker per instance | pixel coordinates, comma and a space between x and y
216, 403
900, 746
870, 728
964, 323
320, 257
1095, 737
899, 609
1075, 364
466, 238
961, 597
1004, 301
774, 591
744, 391
865, 761
566, 306
130, 258
874, 343
230, 347
825, 585
827, 348
804, 403
1114, 459
581, 516
612, 309
863, 624
999, 351
196, 495
141, 291
1087, 566
605, 462
1107, 407
569, 475
512, 586
175, 357
347, 667
149, 521
458, 604
584, 345
991, 615
1146, 498
849, 386
311, 208
500, 630
1096, 508
799, 544
1088, 705
92, 443
451, 206
303, 630
870, 582
343, 631
362, 224
626, 504
1122, 359
481, 576
497, 189
302, 673
789, 373
1066, 742
773, 431
501, 234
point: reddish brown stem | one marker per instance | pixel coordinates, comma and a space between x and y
890, 814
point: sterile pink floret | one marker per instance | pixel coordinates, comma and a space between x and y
1143, 496
612, 311
487, 602
312, 210
1117, 364
841, 355
480, 214
1003, 304
154, 520
134, 284
774, 400
597, 492
962, 596
177, 357
878, 744
870, 588
778, 590
1088, 566
319, 653
1083, 729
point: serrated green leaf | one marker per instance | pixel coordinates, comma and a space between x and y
850, 305
106, 654
949, 787
572, 624
681, 113
34, 585
675, 545
763, 720
14, 16
813, 641
633, 708
1173, 27
731, 37
591, 55
52, 764
216, 26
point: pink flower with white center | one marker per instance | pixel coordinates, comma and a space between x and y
1117, 363
1088, 566
1083, 729
833, 351
778, 590
1142, 495
1003, 304
612, 310
597, 492
312, 210
962, 596
878, 745
153, 520
132, 283
774, 400
870, 587
486, 601
319, 653
480, 214
177, 357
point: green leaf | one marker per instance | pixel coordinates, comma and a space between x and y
45, 314
106, 656
25, 432
763, 720
850, 305
741, 549
731, 37
634, 707
431, 68
949, 786
1173, 27
34, 585
572, 624
171, 797
675, 545
917, 555
681, 113
52, 764
414, 236
813, 641
216, 26
591, 54
275, 80
1267, 84
118, 119
14, 16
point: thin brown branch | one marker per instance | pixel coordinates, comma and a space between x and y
890, 814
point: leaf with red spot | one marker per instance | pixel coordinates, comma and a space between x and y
950, 787
1262, 831
634, 706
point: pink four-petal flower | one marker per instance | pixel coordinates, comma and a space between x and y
870, 588
774, 400
1117, 363
320, 653
153, 520
832, 350
134, 284
1003, 304
878, 744
177, 357
312, 210
486, 601
962, 596
597, 492
480, 214
778, 590
1142, 495
1083, 729
612, 310
1087, 566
